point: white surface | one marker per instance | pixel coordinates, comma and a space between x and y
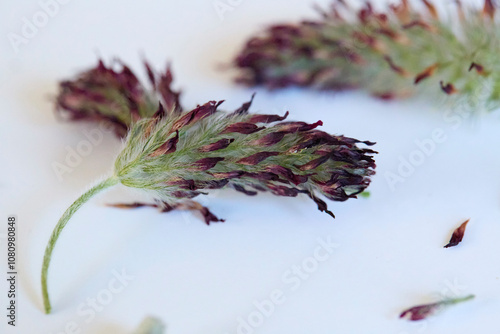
200, 279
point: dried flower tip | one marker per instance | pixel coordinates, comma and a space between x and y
489, 9
457, 235
208, 216
448, 88
479, 69
431, 8
396, 68
429, 71
422, 312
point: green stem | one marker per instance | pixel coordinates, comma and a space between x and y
60, 226
460, 300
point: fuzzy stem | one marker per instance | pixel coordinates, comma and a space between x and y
60, 226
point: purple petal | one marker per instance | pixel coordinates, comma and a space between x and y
205, 164
458, 235
256, 158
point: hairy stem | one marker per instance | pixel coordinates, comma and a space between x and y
60, 226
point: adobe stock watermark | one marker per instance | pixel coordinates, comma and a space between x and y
32, 24
408, 164
74, 155
449, 289
87, 310
292, 278
457, 112
222, 7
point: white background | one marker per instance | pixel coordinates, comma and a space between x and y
201, 279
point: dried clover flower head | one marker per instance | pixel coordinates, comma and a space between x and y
391, 54
115, 97
176, 156
181, 157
